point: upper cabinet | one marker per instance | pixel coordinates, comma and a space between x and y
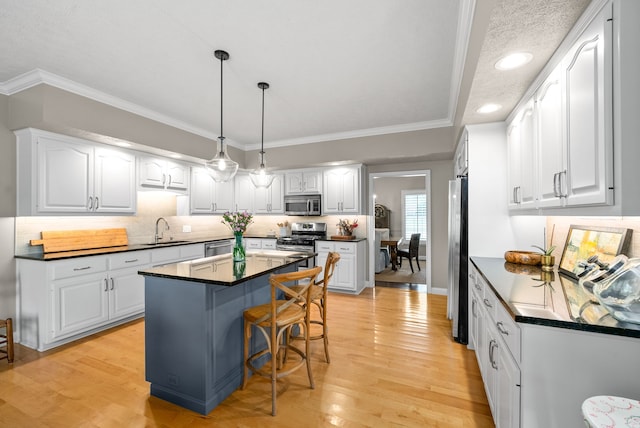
560, 141
63, 175
303, 181
259, 200
341, 190
158, 173
209, 197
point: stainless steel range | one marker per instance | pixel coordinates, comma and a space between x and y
302, 239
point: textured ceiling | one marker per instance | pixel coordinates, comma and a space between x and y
535, 26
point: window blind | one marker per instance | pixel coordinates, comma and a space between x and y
415, 215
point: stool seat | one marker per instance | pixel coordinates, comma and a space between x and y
610, 411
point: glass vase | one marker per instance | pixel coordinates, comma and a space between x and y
238, 249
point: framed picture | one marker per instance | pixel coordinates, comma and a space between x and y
585, 241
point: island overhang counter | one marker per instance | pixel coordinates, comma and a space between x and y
194, 327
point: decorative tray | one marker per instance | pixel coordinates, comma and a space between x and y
343, 237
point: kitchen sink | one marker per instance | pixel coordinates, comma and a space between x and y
161, 243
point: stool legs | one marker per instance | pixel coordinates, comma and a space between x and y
7, 338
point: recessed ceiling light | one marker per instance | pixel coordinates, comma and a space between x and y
513, 60
489, 108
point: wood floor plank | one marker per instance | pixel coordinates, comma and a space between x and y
393, 364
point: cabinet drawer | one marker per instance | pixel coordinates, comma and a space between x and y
509, 331
324, 246
159, 255
129, 259
269, 244
490, 302
79, 266
345, 248
253, 244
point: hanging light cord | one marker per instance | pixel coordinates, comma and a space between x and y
262, 135
221, 109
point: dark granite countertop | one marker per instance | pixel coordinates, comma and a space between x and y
222, 270
39, 255
532, 296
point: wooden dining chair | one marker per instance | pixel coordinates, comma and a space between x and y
6, 339
288, 307
319, 292
414, 247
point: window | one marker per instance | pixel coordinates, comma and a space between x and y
414, 212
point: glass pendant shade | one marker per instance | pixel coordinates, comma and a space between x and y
221, 168
260, 176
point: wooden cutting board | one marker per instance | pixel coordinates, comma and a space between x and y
71, 240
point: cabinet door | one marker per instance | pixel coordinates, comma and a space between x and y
508, 391
177, 176
294, 182
79, 303
490, 375
514, 157
223, 199
551, 148
276, 195
589, 116
312, 181
521, 149
114, 183
151, 172
65, 176
126, 293
245, 193
202, 190
341, 191
344, 277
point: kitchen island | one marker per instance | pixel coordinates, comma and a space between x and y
194, 327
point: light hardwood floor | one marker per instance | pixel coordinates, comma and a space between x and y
393, 364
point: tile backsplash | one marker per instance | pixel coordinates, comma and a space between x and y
141, 227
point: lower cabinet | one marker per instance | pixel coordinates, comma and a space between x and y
349, 272
496, 338
64, 300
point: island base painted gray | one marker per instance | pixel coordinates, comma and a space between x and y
194, 338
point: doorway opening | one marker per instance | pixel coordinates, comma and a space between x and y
405, 197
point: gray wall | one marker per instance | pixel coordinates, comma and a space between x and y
7, 213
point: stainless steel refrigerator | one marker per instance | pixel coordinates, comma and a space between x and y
457, 304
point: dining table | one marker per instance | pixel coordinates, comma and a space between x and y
392, 243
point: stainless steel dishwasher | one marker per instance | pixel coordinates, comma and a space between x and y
213, 248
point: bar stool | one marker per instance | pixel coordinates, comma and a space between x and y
287, 308
319, 298
609, 411
7, 340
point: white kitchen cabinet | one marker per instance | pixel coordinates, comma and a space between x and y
303, 181
461, 157
159, 173
209, 197
497, 351
341, 190
270, 200
520, 151
259, 243
588, 73
349, 271
550, 140
58, 174
245, 193
267, 262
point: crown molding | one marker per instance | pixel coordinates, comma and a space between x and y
465, 23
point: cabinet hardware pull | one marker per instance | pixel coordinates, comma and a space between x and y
492, 345
97, 204
563, 193
473, 308
169, 183
164, 179
82, 268
111, 283
106, 285
501, 328
90, 203
487, 303
131, 261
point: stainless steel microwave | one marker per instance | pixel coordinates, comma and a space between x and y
302, 204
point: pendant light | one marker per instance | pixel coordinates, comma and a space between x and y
260, 176
221, 168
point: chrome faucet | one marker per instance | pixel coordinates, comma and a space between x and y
160, 236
